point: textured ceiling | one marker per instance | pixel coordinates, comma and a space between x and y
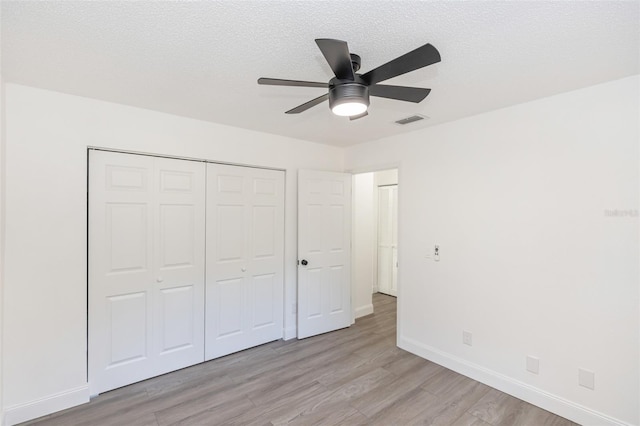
202, 59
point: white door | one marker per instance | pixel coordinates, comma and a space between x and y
245, 258
146, 267
324, 252
388, 239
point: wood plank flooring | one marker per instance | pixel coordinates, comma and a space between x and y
355, 376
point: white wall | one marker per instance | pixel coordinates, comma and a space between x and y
530, 263
45, 272
386, 177
2, 169
363, 243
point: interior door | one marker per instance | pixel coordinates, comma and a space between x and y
324, 252
146, 267
387, 239
245, 258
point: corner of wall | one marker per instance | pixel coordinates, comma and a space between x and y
511, 386
364, 310
44, 406
290, 333
2, 192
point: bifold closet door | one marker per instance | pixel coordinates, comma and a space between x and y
146, 267
245, 258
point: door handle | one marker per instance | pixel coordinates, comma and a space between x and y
243, 269
304, 262
159, 279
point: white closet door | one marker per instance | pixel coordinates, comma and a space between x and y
245, 258
179, 242
387, 239
324, 252
146, 267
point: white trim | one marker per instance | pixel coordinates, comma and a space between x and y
47, 405
178, 157
364, 310
290, 333
558, 405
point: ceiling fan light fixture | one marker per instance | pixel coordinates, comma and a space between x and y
349, 109
349, 99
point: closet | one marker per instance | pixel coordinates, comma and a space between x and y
185, 263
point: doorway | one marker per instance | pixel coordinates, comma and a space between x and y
375, 233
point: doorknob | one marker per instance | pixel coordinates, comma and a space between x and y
243, 269
159, 279
304, 262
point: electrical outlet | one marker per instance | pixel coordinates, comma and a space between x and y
467, 338
533, 364
586, 378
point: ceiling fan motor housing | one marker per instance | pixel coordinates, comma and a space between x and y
341, 92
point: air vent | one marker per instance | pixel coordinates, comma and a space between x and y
411, 119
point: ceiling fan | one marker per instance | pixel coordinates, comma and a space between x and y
348, 92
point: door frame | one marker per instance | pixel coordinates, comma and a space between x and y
176, 157
372, 169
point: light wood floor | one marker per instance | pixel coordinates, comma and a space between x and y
354, 376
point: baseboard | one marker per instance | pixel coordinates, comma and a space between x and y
290, 333
364, 310
555, 404
50, 404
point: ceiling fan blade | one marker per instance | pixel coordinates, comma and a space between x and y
418, 58
401, 93
355, 117
336, 52
281, 82
307, 105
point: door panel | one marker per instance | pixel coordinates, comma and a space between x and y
337, 289
127, 327
146, 266
178, 326
264, 237
127, 224
226, 306
177, 226
245, 258
121, 269
179, 263
324, 243
263, 288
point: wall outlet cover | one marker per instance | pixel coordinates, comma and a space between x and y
533, 364
467, 338
586, 378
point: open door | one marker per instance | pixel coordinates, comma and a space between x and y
324, 252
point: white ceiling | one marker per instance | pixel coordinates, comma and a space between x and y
202, 59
